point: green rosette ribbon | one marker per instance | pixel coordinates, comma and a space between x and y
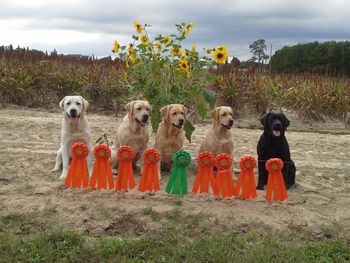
177, 184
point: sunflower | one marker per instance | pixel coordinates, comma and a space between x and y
115, 47
193, 47
158, 46
220, 80
127, 63
167, 41
138, 27
131, 49
188, 28
184, 65
144, 39
176, 51
220, 55
222, 48
133, 58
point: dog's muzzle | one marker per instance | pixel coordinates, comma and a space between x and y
143, 122
179, 126
229, 125
276, 129
73, 117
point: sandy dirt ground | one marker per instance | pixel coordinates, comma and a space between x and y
320, 200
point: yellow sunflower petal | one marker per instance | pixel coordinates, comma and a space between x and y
138, 27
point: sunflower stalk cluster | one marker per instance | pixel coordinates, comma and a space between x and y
163, 71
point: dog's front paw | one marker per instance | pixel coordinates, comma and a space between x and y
63, 176
55, 169
260, 187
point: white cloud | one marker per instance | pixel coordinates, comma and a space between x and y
93, 25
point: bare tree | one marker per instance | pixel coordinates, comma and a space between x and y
258, 50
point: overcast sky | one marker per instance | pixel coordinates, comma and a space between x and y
90, 26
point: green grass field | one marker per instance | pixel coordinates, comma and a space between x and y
181, 238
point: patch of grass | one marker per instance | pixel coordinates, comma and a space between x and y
178, 202
152, 214
14, 219
24, 223
7, 248
174, 215
171, 246
58, 246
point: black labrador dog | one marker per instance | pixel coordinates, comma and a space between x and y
273, 144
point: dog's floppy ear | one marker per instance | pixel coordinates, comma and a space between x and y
130, 108
165, 112
150, 107
185, 110
264, 119
61, 103
232, 111
85, 103
215, 114
286, 121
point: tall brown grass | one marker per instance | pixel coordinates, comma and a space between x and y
36, 79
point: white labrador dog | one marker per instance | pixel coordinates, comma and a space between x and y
75, 128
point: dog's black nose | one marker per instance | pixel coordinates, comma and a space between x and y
181, 122
277, 126
230, 122
144, 117
73, 113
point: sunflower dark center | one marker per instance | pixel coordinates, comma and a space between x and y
220, 55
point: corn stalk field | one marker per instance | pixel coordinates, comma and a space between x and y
35, 79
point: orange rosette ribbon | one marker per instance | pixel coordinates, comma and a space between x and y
275, 182
246, 179
77, 176
102, 172
125, 179
205, 175
149, 177
224, 178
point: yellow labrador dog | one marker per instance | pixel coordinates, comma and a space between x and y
133, 130
218, 139
170, 134
75, 128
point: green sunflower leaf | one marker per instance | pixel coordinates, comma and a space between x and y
202, 110
210, 97
189, 129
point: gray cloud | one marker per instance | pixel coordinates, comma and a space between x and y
236, 23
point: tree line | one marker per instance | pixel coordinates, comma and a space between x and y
329, 57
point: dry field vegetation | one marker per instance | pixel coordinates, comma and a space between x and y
42, 221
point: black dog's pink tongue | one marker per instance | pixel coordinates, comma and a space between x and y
276, 133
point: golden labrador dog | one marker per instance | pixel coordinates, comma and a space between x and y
218, 139
133, 130
170, 135
75, 128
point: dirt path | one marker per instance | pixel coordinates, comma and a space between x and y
321, 199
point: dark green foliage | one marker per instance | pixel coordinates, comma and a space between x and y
330, 57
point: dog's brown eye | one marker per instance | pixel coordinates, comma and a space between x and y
138, 108
182, 113
147, 109
224, 114
78, 103
174, 113
68, 103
